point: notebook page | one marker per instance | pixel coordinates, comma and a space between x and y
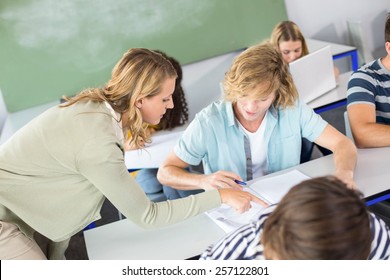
229, 219
271, 190
274, 188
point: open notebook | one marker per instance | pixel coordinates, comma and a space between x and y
313, 74
271, 190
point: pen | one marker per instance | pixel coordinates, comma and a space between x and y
240, 182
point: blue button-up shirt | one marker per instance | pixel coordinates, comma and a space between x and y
216, 138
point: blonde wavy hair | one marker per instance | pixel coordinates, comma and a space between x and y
257, 66
288, 31
139, 74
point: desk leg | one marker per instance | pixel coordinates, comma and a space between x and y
354, 58
355, 63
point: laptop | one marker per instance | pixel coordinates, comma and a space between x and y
313, 74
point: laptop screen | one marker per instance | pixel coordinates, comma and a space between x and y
313, 74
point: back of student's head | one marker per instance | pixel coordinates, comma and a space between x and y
256, 73
387, 28
179, 114
318, 219
286, 31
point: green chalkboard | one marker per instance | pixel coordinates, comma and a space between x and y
50, 48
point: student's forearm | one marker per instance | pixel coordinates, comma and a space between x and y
372, 135
179, 178
345, 156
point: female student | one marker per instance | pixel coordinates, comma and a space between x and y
289, 40
255, 130
318, 219
56, 171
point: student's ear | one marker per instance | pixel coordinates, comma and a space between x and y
387, 46
138, 103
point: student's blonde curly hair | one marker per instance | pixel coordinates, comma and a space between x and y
139, 74
258, 67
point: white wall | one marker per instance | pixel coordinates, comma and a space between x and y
201, 81
326, 20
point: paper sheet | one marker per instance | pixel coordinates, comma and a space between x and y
270, 190
273, 189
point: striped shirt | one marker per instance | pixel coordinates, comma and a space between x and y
244, 243
370, 84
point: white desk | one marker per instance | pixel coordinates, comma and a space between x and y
155, 153
338, 50
124, 240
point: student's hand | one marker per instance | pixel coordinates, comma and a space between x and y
336, 73
239, 200
347, 177
220, 180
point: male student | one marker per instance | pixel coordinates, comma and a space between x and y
368, 98
318, 219
256, 130
368, 108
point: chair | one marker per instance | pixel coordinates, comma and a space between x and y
382, 209
357, 38
348, 131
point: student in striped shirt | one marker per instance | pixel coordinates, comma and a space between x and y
368, 98
317, 219
368, 108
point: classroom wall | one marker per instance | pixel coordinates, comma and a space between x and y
327, 20
201, 81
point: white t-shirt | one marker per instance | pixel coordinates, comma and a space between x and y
259, 149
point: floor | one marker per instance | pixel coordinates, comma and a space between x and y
77, 249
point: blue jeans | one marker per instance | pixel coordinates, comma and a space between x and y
172, 193
147, 179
